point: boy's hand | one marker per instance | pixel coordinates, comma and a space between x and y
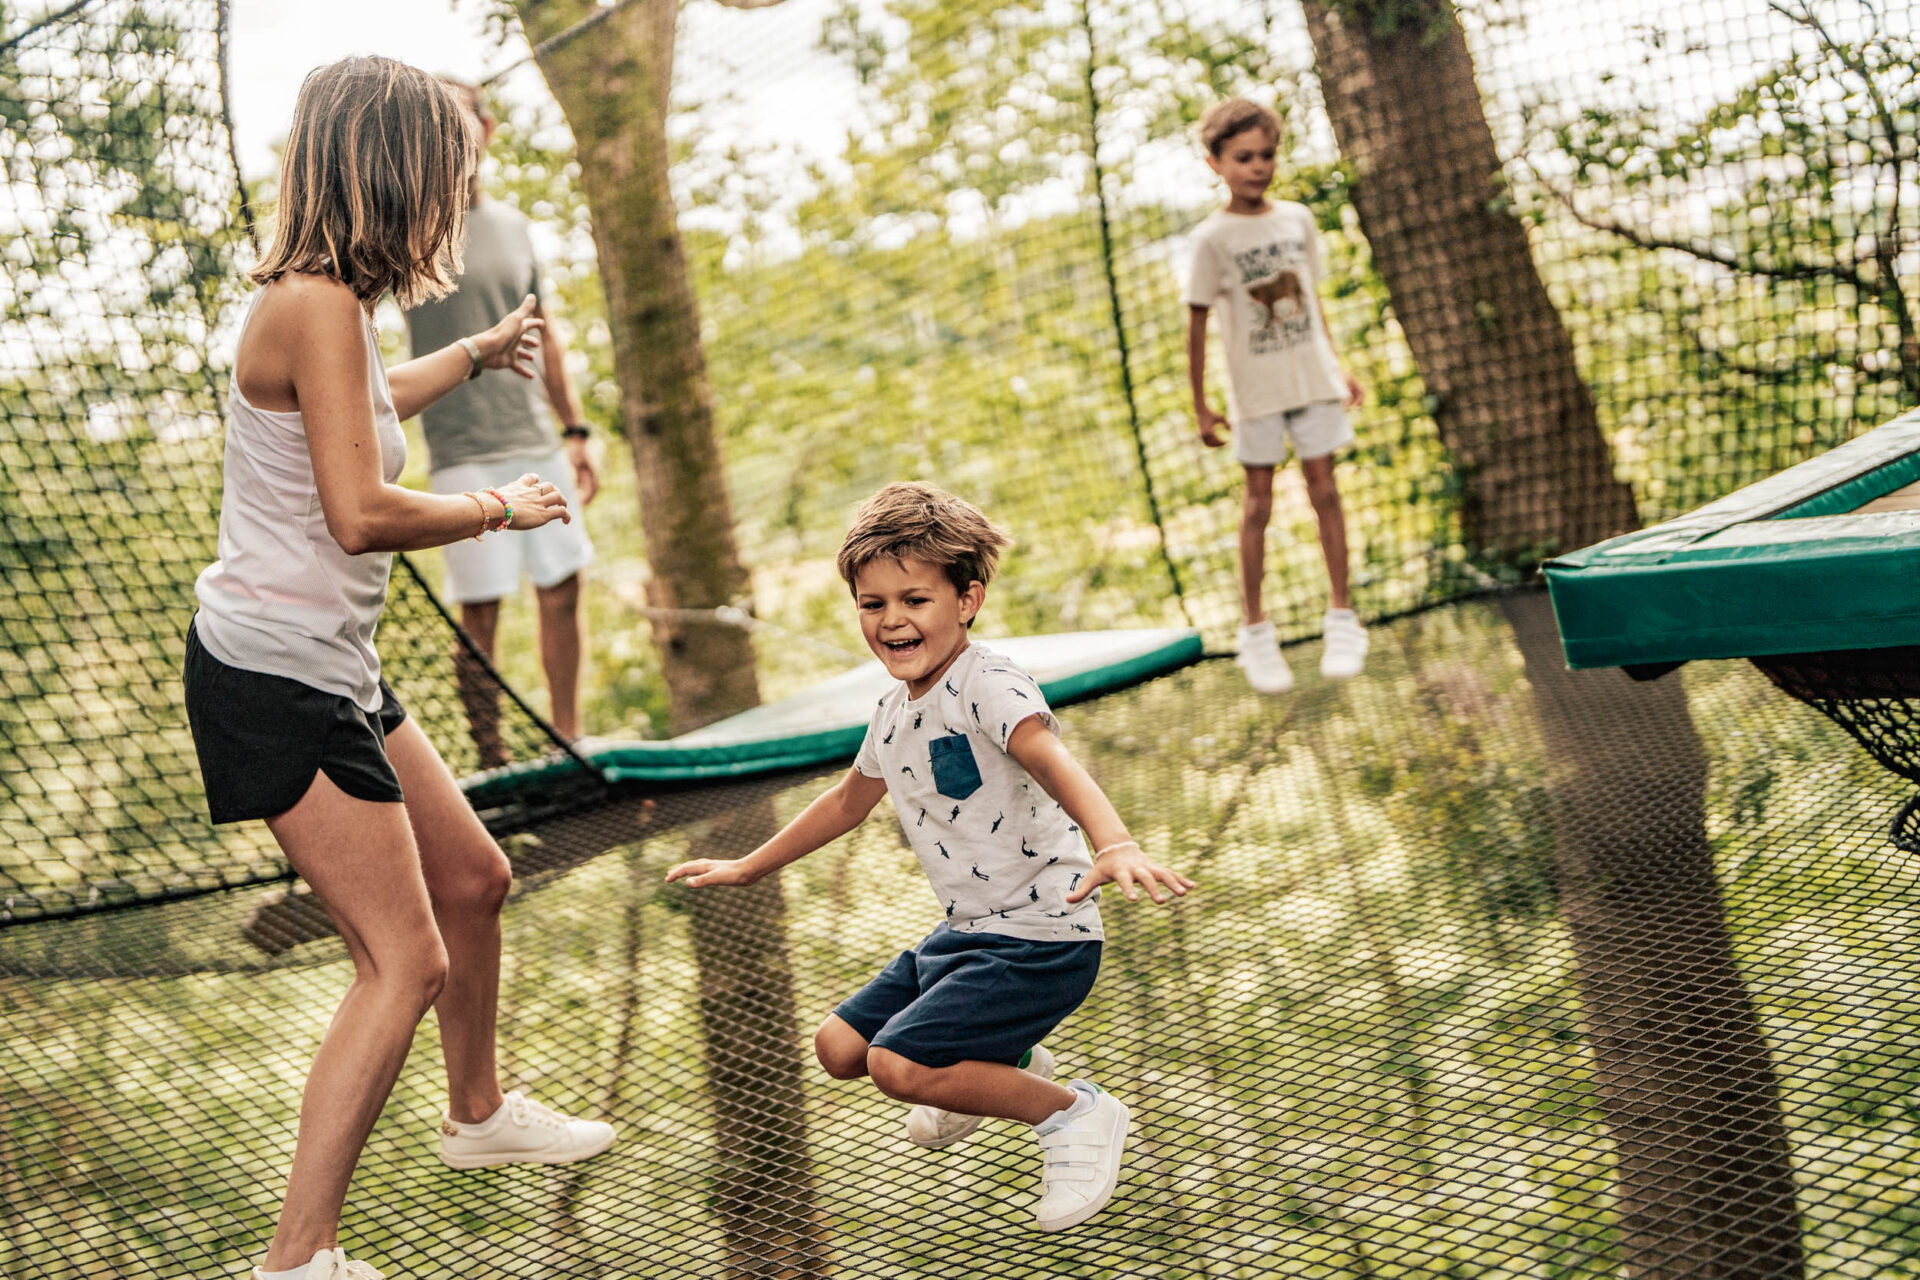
705, 871
1213, 427
1129, 867
1356, 394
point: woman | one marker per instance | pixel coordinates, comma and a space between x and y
290, 717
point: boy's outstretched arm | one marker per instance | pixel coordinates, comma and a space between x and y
1212, 425
1125, 863
835, 812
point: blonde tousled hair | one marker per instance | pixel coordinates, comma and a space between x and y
373, 188
916, 521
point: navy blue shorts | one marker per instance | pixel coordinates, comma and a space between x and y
972, 997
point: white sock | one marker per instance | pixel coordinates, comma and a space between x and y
1342, 613
1083, 1100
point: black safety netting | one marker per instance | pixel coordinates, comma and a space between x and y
1495, 971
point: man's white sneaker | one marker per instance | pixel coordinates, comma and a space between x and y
1082, 1161
522, 1132
1346, 645
932, 1127
332, 1264
1260, 658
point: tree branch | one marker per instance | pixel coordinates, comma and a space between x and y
43, 22
1852, 61
1707, 252
568, 35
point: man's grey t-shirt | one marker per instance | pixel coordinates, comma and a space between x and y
1001, 855
499, 414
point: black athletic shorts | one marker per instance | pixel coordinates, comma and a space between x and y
261, 738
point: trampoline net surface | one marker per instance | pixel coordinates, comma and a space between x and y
1357, 1051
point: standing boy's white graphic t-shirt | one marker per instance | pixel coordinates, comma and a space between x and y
1262, 273
999, 852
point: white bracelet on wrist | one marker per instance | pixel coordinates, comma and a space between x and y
472, 349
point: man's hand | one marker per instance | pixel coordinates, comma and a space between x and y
1128, 866
586, 477
701, 872
1213, 427
515, 341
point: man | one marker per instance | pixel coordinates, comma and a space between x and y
487, 433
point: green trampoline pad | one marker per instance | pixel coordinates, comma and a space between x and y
826, 723
1823, 556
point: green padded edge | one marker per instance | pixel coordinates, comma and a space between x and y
1781, 566
668, 761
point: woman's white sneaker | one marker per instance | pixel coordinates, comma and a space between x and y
522, 1132
1260, 658
1082, 1160
332, 1264
934, 1128
1345, 651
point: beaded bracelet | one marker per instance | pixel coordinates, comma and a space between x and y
1123, 844
483, 513
506, 519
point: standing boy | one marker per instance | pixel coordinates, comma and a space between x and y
485, 433
994, 807
1263, 260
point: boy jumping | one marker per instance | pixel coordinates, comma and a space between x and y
1284, 382
995, 808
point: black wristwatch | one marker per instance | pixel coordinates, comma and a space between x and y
575, 431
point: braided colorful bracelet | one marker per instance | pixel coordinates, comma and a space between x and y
483, 513
506, 520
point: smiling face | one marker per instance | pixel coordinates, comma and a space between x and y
914, 620
1245, 164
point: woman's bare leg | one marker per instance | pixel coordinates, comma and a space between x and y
467, 880
359, 858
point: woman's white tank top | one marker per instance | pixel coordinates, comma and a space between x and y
283, 598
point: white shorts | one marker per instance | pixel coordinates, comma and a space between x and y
491, 568
1315, 431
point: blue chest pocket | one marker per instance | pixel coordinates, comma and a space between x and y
955, 774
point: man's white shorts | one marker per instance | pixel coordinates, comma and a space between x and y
1315, 431
491, 568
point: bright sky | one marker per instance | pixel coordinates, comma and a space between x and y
275, 44
792, 91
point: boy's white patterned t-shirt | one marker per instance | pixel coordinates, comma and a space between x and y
1000, 853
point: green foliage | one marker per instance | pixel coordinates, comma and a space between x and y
115, 217
1733, 270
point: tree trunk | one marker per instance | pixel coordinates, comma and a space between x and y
1704, 1180
612, 83
1490, 345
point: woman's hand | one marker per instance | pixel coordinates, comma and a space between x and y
535, 502
1128, 866
706, 871
514, 342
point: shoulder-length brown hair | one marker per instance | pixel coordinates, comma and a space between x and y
373, 189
